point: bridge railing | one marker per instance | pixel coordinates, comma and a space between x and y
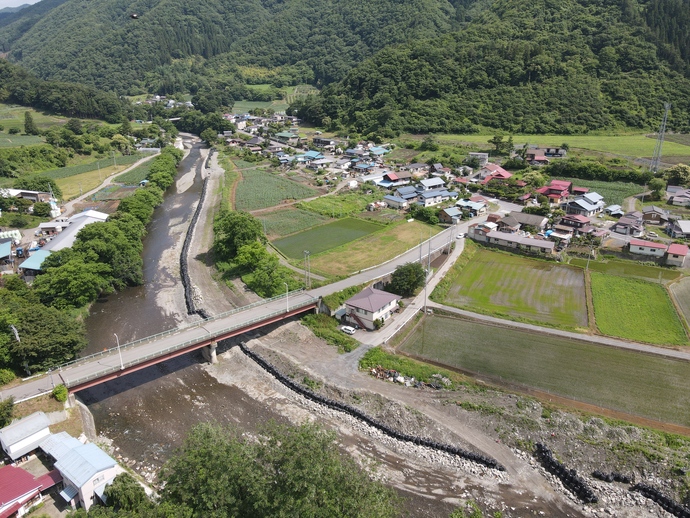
177, 347
175, 330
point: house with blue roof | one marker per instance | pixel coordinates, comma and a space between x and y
86, 469
395, 202
431, 198
408, 193
588, 204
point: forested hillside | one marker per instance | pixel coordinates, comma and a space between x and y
564, 66
165, 49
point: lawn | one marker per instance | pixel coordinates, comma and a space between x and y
625, 145
7, 140
260, 189
521, 288
12, 116
76, 184
635, 310
373, 249
283, 222
629, 269
325, 237
640, 384
613, 192
339, 205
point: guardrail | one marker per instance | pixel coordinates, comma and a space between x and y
175, 330
75, 382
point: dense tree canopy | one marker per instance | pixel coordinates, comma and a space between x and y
406, 279
234, 229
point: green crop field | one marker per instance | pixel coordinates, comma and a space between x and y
325, 237
283, 222
629, 269
12, 116
136, 175
260, 189
639, 384
635, 310
625, 145
519, 287
103, 164
384, 245
681, 294
613, 192
339, 205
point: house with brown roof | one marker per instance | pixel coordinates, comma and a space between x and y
655, 215
369, 305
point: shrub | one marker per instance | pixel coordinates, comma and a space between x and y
60, 393
14, 131
6, 375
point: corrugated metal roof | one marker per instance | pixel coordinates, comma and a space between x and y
68, 493
5, 249
80, 464
23, 428
676, 249
15, 482
35, 262
57, 445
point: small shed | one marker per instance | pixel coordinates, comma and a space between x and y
24, 435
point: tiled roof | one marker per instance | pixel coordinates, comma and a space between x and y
371, 299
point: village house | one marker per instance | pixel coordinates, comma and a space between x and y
417, 169
287, 137
20, 490
641, 247
630, 224
588, 204
557, 191
489, 169
399, 179
535, 158
395, 202
530, 221
370, 305
676, 254
654, 215
680, 198
482, 157
518, 242
679, 229
325, 142
434, 197
615, 211
23, 436
576, 221
450, 216
431, 184
475, 208
508, 224
497, 175
408, 193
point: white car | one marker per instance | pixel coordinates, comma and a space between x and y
652, 234
348, 330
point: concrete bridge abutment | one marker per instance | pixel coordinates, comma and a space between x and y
209, 352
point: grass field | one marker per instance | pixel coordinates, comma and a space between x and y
625, 145
613, 192
12, 116
325, 237
104, 164
281, 223
7, 140
635, 310
260, 189
373, 249
76, 184
640, 384
523, 288
681, 293
339, 205
629, 269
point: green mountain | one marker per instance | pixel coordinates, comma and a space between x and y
168, 45
563, 66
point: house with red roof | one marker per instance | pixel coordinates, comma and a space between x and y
498, 175
20, 491
369, 305
557, 191
642, 247
676, 254
490, 169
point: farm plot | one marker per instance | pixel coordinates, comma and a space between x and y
373, 249
340, 205
650, 386
325, 237
613, 192
521, 288
636, 310
19, 140
681, 294
283, 222
629, 269
260, 189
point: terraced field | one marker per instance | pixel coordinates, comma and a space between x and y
521, 288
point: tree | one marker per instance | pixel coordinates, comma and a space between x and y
125, 128
209, 136
657, 186
285, 471
42, 209
74, 284
678, 175
429, 143
125, 493
233, 230
497, 142
75, 125
407, 278
6, 411
30, 127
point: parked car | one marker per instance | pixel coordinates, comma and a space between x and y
652, 234
460, 235
348, 330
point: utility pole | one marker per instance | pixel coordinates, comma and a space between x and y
656, 158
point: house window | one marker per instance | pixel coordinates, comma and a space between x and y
98, 480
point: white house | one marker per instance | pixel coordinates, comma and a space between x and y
369, 305
641, 247
395, 202
86, 469
676, 254
20, 491
24, 435
431, 184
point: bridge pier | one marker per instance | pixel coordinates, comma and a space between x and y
209, 352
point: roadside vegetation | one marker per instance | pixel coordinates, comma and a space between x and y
327, 328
